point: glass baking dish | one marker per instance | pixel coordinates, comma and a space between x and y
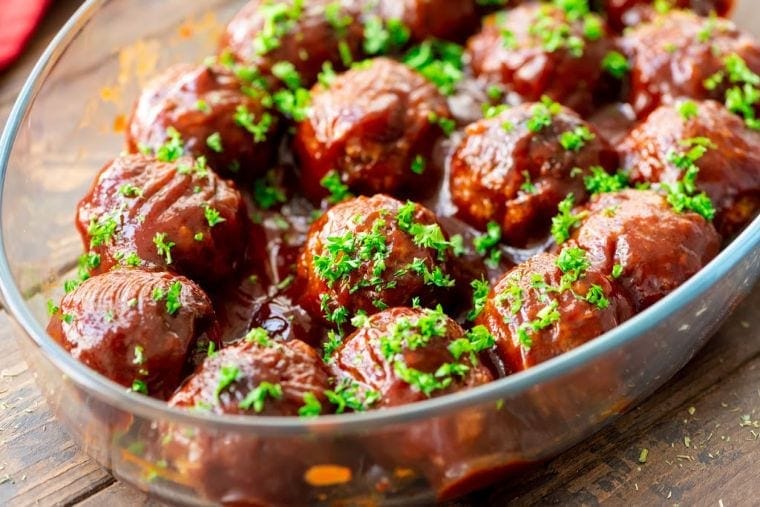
68, 121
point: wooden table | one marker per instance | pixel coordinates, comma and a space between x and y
701, 430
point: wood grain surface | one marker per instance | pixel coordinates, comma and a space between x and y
694, 442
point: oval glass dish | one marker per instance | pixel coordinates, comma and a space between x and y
69, 119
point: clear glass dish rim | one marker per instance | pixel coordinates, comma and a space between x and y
116, 395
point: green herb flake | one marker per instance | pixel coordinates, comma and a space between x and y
228, 375
576, 139
616, 65
256, 398
163, 247
311, 406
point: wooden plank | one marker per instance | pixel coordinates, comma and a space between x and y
39, 464
605, 468
38, 460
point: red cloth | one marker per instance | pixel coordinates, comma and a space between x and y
18, 19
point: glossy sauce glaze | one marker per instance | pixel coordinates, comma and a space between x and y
405, 217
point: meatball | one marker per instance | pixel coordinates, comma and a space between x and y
729, 169
371, 253
176, 216
230, 381
210, 114
404, 355
623, 234
538, 49
442, 19
373, 127
549, 305
624, 13
257, 376
676, 54
391, 353
305, 34
137, 328
516, 167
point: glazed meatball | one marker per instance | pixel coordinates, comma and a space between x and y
176, 216
390, 355
729, 169
305, 34
206, 107
258, 376
675, 55
137, 328
651, 248
513, 169
538, 49
442, 19
226, 380
371, 253
623, 13
372, 126
550, 305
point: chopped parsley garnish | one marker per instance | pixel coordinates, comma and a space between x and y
576, 139
331, 345
418, 164
287, 73
214, 141
279, 19
52, 308
338, 190
596, 296
266, 191
513, 294
338, 20
573, 263
541, 114
311, 406
447, 125
743, 95
259, 336
491, 111
256, 397
139, 353
102, 230
565, 221
293, 104
246, 119
480, 290
213, 217
228, 375
139, 386
555, 34
202, 106
438, 61
683, 195
327, 76
600, 181
528, 187
617, 271
173, 148
173, 298
348, 394
488, 244
129, 190
616, 65
475, 341
381, 38
688, 109
163, 247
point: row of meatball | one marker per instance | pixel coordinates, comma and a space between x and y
376, 125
